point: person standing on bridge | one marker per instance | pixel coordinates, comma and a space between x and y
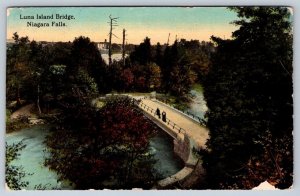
158, 112
164, 116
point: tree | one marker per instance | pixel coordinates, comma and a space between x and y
36, 64
248, 117
17, 67
127, 78
142, 53
155, 76
87, 57
103, 148
199, 55
176, 70
113, 77
158, 55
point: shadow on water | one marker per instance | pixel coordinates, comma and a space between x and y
168, 163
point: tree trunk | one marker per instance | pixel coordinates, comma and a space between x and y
18, 96
38, 99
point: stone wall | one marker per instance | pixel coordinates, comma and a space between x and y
182, 148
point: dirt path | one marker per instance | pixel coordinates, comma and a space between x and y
23, 111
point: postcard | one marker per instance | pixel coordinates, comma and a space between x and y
163, 98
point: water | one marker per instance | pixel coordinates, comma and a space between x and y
116, 57
198, 104
32, 157
167, 162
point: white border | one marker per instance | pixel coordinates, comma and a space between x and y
7, 3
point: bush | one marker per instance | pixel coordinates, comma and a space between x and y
14, 174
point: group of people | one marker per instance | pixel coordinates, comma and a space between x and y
163, 115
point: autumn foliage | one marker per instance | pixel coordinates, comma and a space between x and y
105, 148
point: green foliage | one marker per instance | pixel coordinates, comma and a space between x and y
180, 65
85, 83
248, 91
158, 54
176, 72
39, 72
85, 54
14, 174
184, 63
142, 53
57, 69
7, 115
155, 76
46, 73
17, 70
87, 58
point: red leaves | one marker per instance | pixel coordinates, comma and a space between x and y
96, 145
126, 124
127, 77
141, 82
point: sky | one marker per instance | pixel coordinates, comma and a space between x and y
155, 22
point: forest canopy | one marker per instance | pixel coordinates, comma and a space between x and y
249, 95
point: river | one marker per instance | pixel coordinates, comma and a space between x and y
197, 105
114, 57
32, 157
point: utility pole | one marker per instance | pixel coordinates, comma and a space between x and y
123, 47
168, 39
112, 23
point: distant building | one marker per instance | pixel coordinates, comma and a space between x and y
102, 46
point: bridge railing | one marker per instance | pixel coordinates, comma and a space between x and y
198, 119
140, 103
168, 121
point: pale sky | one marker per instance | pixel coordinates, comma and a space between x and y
155, 22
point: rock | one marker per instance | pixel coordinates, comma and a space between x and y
36, 121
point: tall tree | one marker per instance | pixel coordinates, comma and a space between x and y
17, 67
249, 95
142, 54
87, 58
176, 70
155, 76
158, 55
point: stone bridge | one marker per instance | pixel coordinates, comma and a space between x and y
188, 134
